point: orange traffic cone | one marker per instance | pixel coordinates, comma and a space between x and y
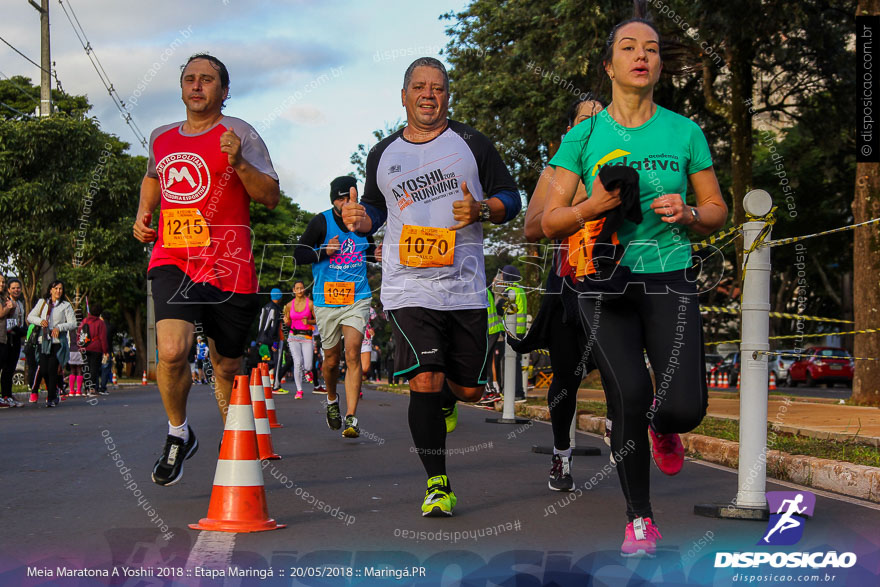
238, 500
267, 380
144, 379
724, 381
270, 409
270, 402
772, 386
114, 378
712, 381
261, 419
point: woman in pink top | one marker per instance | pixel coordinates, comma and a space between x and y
300, 316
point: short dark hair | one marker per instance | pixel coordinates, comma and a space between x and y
12, 280
95, 309
426, 62
216, 64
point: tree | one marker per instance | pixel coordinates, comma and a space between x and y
276, 233
22, 98
866, 290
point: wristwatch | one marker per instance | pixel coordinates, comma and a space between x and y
695, 214
485, 211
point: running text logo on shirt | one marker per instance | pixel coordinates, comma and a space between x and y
426, 187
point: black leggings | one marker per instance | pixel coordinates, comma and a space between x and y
8, 359
666, 323
568, 348
92, 370
48, 372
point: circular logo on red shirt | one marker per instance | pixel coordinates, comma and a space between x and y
184, 177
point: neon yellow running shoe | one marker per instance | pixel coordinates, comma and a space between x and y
451, 415
439, 498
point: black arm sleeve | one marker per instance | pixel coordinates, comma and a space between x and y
308, 249
370, 251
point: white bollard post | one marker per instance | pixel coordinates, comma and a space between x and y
753, 368
508, 412
750, 502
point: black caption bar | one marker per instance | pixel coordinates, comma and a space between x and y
868, 84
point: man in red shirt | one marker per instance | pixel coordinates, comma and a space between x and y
202, 173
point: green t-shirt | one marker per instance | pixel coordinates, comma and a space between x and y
664, 150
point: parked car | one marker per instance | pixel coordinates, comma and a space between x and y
823, 365
712, 361
18, 376
781, 362
730, 366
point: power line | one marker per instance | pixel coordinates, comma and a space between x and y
22, 54
20, 89
16, 110
102, 74
53, 73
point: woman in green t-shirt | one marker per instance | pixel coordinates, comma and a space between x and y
658, 311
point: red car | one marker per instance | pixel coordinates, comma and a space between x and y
824, 365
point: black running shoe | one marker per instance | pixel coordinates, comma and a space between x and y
334, 419
560, 474
169, 467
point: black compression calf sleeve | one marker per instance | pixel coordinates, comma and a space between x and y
449, 398
428, 428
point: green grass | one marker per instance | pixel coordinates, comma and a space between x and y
849, 452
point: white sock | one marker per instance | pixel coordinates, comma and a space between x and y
181, 431
336, 401
563, 453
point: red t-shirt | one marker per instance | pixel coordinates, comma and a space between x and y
204, 219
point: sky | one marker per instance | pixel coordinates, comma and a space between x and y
315, 78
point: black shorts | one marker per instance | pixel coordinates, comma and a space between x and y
225, 317
453, 342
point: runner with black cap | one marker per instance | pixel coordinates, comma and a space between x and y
341, 296
435, 181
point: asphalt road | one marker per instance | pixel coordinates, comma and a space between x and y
66, 506
829, 391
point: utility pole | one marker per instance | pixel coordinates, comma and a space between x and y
45, 58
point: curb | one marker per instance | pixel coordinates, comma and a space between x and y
812, 433
858, 481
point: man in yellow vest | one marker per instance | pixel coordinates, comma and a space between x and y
496, 351
511, 277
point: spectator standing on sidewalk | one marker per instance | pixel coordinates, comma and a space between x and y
92, 335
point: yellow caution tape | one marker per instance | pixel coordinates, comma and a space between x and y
794, 239
793, 336
734, 231
723, 310
770, 220
774, 353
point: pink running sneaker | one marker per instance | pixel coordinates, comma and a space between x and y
309, 376
299, 395
640, 539
668, 451
33, 399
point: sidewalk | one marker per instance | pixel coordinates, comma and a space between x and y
815, 418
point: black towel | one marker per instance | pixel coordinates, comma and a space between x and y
607, 275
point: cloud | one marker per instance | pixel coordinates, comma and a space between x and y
305, 115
